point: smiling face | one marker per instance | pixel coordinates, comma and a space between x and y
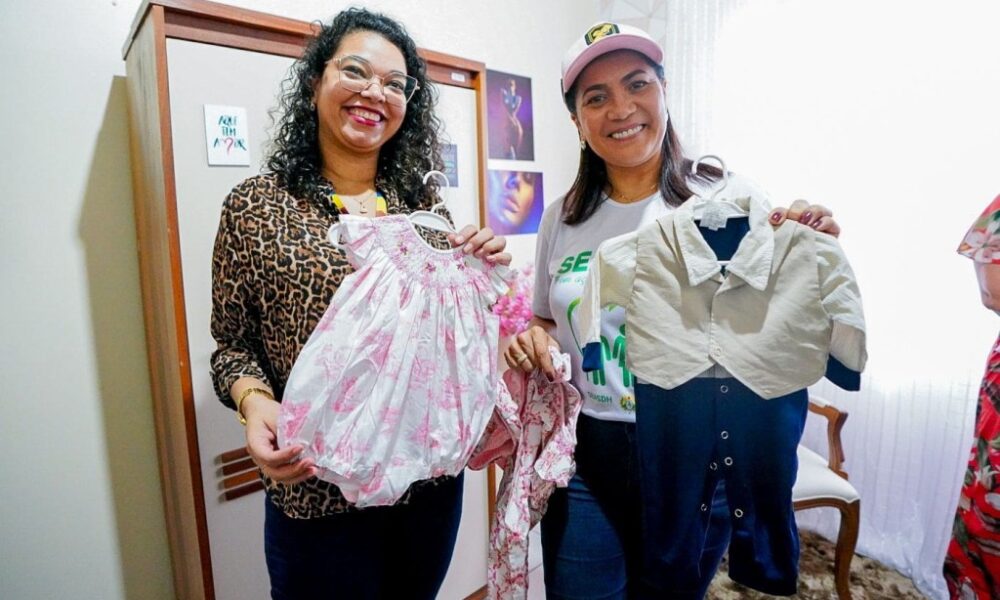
621, 109
358, 123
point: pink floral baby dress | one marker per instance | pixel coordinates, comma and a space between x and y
531, 436
399, 378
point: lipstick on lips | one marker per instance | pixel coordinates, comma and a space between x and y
365, 116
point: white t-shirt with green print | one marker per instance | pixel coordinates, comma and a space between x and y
562, 256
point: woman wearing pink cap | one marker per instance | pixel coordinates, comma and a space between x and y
631, 172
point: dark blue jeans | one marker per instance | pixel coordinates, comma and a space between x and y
592, 530
400, 551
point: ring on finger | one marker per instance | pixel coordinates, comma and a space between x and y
519, 358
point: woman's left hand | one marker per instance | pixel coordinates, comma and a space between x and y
816, 216
481, 243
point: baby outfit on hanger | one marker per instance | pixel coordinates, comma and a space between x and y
723, 356
531, 436
787, 301
398, 380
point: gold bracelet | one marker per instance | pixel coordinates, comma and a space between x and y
246, 393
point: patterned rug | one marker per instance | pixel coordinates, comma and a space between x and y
870, 580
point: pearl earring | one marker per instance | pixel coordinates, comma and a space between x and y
583, 144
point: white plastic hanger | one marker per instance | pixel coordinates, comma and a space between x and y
712, 212
430, 218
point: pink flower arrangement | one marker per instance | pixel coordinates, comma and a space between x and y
514, 308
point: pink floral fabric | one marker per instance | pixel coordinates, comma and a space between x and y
531, 436
398, 380
982, 242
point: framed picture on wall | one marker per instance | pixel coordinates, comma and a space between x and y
449, 154
514, 201
510, 119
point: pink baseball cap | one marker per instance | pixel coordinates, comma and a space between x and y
603, 38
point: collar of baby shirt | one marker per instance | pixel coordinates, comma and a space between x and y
753, 257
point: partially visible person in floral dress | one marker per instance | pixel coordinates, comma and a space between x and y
972, 565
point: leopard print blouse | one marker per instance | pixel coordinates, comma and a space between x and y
273, 276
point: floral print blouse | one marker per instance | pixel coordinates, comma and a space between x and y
982, 242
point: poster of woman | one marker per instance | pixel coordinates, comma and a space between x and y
509, 116
515, 202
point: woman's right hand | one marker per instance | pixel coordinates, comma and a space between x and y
282, 465
529, 350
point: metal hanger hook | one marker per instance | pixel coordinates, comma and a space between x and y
447, 184
722, 165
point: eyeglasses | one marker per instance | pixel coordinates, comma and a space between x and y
357, 75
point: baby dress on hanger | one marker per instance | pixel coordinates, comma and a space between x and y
398, 380
531, 437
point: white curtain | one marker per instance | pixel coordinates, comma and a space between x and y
688, 32
887, 112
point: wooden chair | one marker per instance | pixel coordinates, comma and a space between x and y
822, 482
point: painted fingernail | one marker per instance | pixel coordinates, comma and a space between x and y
459, 239
775, 217
806, 217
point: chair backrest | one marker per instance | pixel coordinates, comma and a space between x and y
835, 420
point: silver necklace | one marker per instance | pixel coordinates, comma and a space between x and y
360, 201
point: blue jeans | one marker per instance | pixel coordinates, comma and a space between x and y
592, 530
400, 551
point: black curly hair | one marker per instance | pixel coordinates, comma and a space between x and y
403, 160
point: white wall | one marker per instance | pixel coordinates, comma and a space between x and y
82, 514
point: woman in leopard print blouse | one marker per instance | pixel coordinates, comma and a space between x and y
356, 135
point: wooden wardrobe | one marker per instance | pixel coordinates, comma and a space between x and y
180, 56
